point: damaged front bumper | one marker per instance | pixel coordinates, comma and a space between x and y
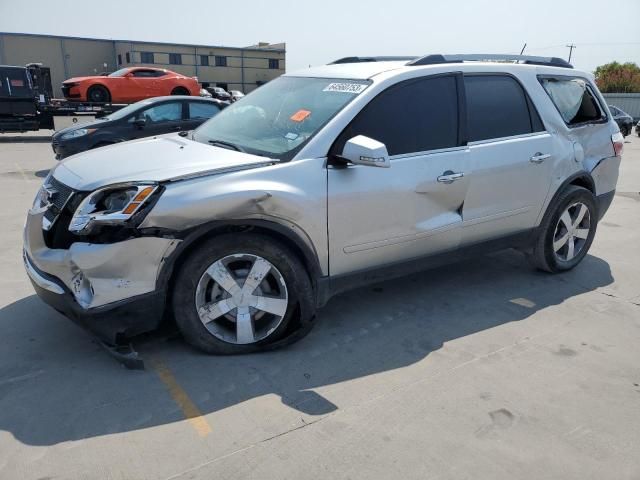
111, 289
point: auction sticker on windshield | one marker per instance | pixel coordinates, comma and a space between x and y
345, 87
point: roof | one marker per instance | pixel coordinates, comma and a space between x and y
149, 42
357, 71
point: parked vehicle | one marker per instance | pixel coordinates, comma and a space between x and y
236, 95
142, 119
623, 119
321, 181
219, 93
129, 85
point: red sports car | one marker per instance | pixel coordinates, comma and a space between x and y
129, 85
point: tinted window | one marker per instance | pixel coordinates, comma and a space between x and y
175, 59
127, 56
574, 99
144, 73
166, 112
202, 110
146, 57
497, 107
413, 116
274, 63
221, 61
204, 60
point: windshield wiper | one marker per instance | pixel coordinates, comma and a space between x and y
223, 144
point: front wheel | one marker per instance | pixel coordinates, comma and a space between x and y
567, 231
241, 293
98, 94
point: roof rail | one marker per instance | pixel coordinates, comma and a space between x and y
373, 59
491, 57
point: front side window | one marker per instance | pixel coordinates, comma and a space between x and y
498, 107
144, 73
413, 116
167, 112
202, 110
279, 117
574, 99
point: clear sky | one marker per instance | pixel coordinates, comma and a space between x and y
317, 32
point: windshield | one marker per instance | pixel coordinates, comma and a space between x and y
120, 73
278, 118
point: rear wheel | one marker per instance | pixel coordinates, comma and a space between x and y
98, 94
241, 293
179, 91
567, 231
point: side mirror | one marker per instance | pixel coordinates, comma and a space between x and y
363, 150
140, 123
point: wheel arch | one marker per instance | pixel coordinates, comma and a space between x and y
197, 236
580, 179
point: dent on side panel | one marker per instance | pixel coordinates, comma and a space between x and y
605, 175
291, 194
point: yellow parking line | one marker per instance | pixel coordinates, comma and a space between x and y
189, 409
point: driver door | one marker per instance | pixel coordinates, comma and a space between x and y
159, 119
379, 216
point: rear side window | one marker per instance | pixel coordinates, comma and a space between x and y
574, 99
498, 107
413, 116
202, 110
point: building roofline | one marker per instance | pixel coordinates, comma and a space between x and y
253, 49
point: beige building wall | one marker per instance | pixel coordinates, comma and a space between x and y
245, 69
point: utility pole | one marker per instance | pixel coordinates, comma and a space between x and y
523, 47
571, 46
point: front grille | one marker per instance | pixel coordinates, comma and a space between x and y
58, 196
60, 193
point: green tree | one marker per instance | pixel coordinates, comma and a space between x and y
617, 77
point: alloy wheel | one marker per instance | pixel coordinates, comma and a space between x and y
241, 298
572, 232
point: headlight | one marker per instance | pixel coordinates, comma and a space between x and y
111, 205
80, 132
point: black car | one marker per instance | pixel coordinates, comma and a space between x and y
624, 120
146, 118
219, 93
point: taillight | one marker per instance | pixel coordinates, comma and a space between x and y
618, 143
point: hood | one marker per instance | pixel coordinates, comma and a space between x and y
95, 124
158, 159
80, 79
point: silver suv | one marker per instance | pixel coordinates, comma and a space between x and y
321, 181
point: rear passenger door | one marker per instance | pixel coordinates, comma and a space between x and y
510, 158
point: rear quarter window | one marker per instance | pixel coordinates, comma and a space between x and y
574, 99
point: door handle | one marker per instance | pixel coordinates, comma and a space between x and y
449, 177
539, 157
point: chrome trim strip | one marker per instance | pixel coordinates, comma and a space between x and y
39, 279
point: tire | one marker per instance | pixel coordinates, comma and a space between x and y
552, 252
180, 91
197, 293
98, 94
